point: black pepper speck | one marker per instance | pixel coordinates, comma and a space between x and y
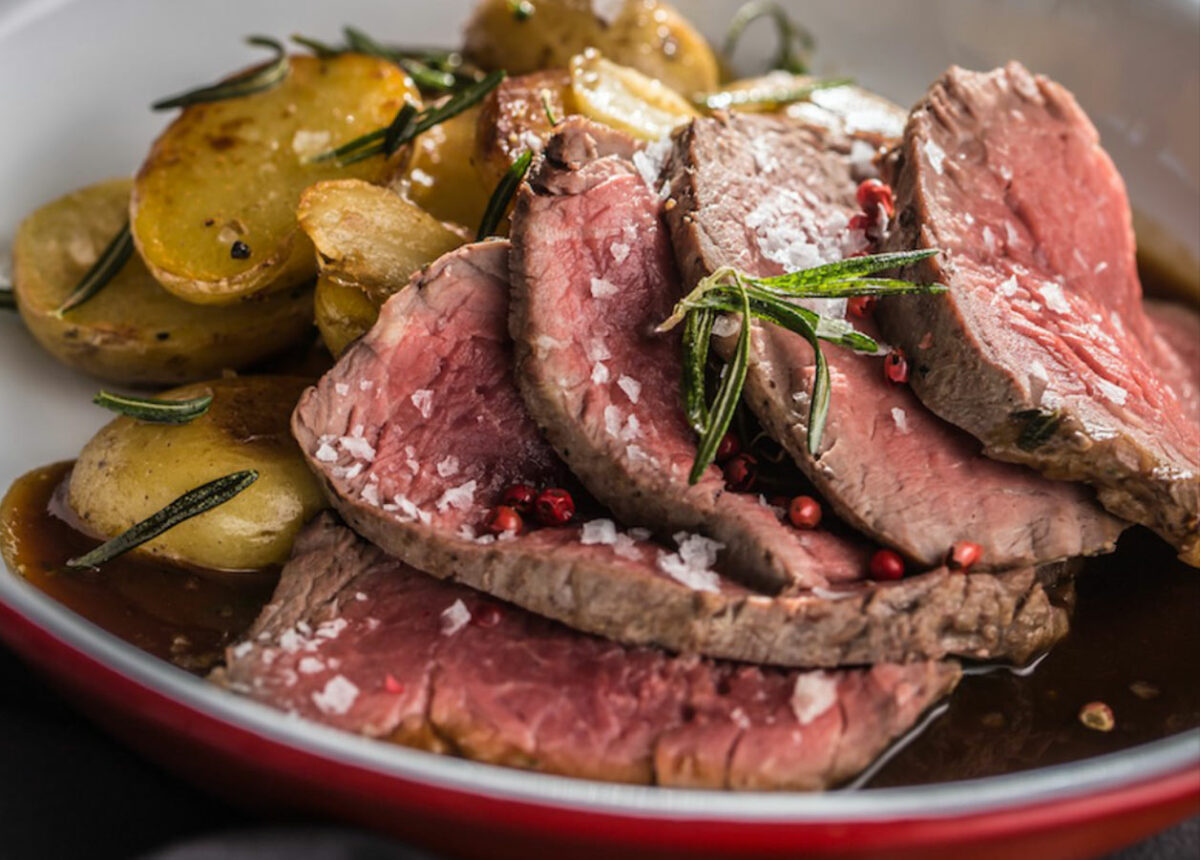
239, 250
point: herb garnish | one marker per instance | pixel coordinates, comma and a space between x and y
248, 83
548, 107
522, 10
1038, 426
425, 76
505, 189
437, 71
409, 123
190, 504
110, 261
154, 410
795, 42
728, 290
767, 95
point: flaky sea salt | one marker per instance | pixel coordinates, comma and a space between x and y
337, 697
459, 498
455, 618
631, 387
692, 563
602, 289
814, 694
599, 373
598, 531
310, 666
900, 419
448, 467
423, 399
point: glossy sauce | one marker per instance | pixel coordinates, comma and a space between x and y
183, 615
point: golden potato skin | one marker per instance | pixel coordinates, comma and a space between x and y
443, 178
514, 111
344, 314
133, 331
131, 469
645, 34
233, 171
369, 237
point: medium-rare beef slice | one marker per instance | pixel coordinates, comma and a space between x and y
1041, 349
769, 195
592, 275
363, 642
419, 428
1177, 329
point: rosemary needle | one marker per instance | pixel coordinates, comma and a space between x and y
505, 189
190, 504
110, 261
247, 83
154, 410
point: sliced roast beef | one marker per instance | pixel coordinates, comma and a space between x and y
1041, 349
1177, 329
769, 195
419, 429
592, 277
363, 642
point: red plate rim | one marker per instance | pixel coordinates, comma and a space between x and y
48, 634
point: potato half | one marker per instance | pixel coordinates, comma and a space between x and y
443, 178
214, 205
133, 331
625, 99
369, 240
131, 469
644, 34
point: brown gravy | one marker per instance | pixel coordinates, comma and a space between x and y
183, 615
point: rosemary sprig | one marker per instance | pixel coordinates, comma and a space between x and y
433, 70
190, 504
407, 126
842, 279
766, 95
505, 189
729, 394
522, 10
548, 107
697, 337
247, 83
110, 261
425, 76
795, 42
728, 290
8, 299
154, 410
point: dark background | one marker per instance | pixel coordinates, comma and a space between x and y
67, 791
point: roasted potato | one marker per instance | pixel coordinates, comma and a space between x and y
443, 178
369, 241
516, 111
369, 237
214, 205
133, 331
343, 313
644, 34
625, 99
131, 469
